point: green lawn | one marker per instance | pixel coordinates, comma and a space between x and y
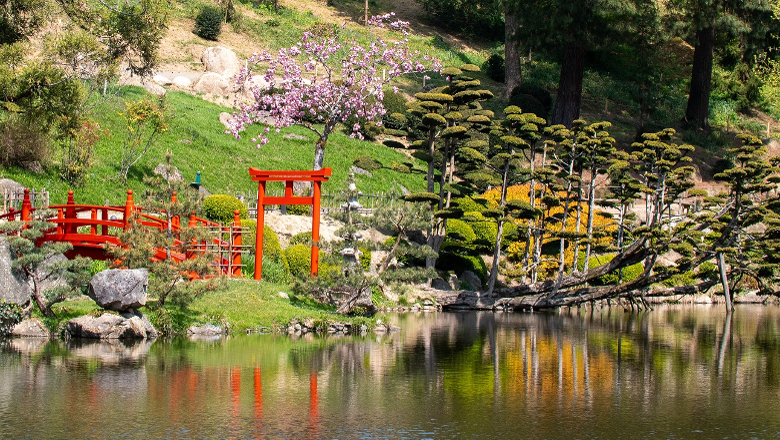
242, 304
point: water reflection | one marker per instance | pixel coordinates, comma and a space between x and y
691, 372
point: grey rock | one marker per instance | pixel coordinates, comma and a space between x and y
119, 289
357, 170
220, 60
169, 173
33, 166
31, 328
702, 299
750, 298
454, 282
211, 83
227, 120
205, 330
10, 186
13, 288
155, 89
106, 326
284, 295
440, 284
182, 82
162, 80
151, 332
296, 137
471, 279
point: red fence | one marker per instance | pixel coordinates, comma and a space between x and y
89, 228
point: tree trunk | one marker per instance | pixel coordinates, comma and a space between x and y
701, 79
39, 299
724, 281
513, 74
431, 151
319, 153
567, 103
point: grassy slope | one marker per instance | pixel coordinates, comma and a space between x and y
197, 141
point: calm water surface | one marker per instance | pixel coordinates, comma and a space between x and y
676, 372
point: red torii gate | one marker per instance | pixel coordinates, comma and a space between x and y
288, 177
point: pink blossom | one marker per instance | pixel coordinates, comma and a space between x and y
350, 85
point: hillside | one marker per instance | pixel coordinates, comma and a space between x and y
196, 137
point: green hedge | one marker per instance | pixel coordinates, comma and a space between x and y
220, 207
460, 263
298, 258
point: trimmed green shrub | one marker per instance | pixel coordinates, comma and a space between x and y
486, 232
271, 246
208, 23
368, 163
494, 68
365, 258
299, 210
300, 238
298, 258
458, 230
220, 207
460, 263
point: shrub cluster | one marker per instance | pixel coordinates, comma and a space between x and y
220, 207
298, 258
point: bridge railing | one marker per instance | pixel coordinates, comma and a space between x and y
90, 227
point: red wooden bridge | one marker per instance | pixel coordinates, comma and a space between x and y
89, 228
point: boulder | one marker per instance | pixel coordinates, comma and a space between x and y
204, 330
750, 298
221, 61
440, 284
119, 289
471, 279
182, 82
106, 326
211, 83
11, 186
151, 332
13, 286
154, 88
31, 328
227, 120
162, 80
111, 351
171, 174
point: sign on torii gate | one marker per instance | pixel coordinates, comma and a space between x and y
288, 177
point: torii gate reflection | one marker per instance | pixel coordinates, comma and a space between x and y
288, 177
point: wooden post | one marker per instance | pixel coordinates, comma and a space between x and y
315, 229
129, 207
175, 220
26, 206
259, 234
60, 217
192, 223
235, 245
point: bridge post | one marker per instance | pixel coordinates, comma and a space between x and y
60, 218
26, 206
70, 213
175, 220
192, 223
129, 208
93, 226
235, 245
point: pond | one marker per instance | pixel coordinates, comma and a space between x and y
674, 372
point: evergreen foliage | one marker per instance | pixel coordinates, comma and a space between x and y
221, 208
208, 23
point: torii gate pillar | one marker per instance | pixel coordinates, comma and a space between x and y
288, 177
